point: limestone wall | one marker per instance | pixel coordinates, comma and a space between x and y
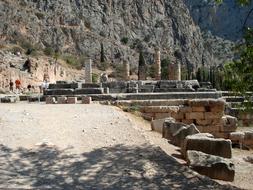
207, 115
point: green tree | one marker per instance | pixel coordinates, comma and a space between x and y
102, 54
165, 68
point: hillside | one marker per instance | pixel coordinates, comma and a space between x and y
123, 27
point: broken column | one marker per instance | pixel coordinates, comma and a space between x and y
88, 71
174, 71
157, 64
126, 66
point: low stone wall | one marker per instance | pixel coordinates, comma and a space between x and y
207, 115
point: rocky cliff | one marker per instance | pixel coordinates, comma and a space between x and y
224, 20
123, 27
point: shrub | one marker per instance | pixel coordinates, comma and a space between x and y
124, 40
94, 77
72, 61
49, 51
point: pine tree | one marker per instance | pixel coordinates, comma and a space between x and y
102, 54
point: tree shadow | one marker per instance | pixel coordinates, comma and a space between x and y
116, 167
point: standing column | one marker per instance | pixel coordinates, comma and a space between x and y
126, 70
178, 71
88, 71
157, 64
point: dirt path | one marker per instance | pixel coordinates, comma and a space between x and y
88, 147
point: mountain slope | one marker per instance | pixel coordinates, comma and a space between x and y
81, 26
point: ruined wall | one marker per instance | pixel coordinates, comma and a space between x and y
207, 115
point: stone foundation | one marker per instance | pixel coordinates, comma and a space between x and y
207, 115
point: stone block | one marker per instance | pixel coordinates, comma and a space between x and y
198, 103
50, 100
59, 92
229, 124
9, 99
72, 100
157, 125
187, 121
203, 143
170, 127
185, 109
223, 135
160, 109
61, 100
91, 85
212, 166
248, 139
210, 129
198, 109
213, 115
179, 136
178, 116
217, 108
217, 102
63, 86
195, 115
148, 116
162, 115
86, 100
89, 91
237, 137
204, 122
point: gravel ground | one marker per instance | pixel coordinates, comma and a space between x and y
87, 147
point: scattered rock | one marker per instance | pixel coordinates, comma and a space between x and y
212, 166
170, 127
182, 133
208, 145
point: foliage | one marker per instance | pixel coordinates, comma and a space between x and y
49, 51
164, 68
73, 61
151, 71
94, 77
102, 54
124, 40
142, 61
239, 73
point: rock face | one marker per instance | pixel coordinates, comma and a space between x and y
212, 166
208, 14
123, 27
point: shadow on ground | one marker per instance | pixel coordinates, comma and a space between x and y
117, 167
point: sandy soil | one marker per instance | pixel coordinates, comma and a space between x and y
87, 147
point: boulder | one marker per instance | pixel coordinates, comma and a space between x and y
248, 139
236, 137
71, 100
61, 100
182, 133
9, 99
229, 123
50, 100
212, 166
170, 127
157, 125
86, 100
207, 144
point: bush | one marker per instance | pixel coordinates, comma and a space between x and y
49, 51
103, 66
164, 68
94, 78
124, 40
73, 61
